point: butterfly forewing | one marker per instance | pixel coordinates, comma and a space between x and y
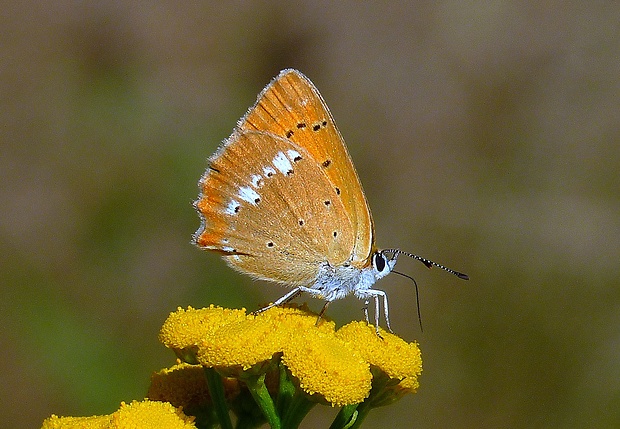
292, 108
271, 210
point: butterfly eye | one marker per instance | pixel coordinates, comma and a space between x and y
379, 261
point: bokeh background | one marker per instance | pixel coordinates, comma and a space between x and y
487, 137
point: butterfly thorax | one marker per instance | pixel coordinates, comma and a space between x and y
336, 282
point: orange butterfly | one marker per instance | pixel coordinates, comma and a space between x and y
281, 201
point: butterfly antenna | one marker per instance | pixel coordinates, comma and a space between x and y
428, 263
417, 296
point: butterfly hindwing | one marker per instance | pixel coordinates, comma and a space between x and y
271, 210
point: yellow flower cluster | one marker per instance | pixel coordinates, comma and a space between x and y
145, 414
270, 367
337, 366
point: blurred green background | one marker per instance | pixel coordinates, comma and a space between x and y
487, 136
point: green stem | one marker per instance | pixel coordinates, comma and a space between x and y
378, 393
286, 390
362, 411
297, 409
259, 392
345, 418
216, 390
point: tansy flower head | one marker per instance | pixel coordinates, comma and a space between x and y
296, 319
395, 362
240, 344
184, 329
184, 385
145, 414
324, 366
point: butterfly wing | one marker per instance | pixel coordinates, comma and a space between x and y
272, 210
292, 108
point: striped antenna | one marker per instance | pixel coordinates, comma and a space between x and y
428, 262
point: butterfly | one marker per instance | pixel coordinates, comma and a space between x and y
281, 201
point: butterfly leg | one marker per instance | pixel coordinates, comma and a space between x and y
294, 294
318, 319
377, 313
377, 294
385, 310
365, 309
283, 300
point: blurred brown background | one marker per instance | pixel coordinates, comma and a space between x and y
487, 136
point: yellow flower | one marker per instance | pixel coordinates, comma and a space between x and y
291, 319
145, 414
391, 356
184, 329
257, 338
184, 385
325, 366
93, 422
240, 344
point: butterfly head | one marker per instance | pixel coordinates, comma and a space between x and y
383, 262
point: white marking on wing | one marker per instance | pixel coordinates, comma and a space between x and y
269, 171
281, 162
232, 207
292, 154
248, 194
256, 180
